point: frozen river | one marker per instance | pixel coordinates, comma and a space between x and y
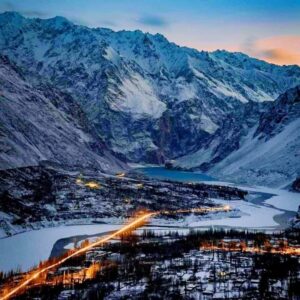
27, 249
265, 208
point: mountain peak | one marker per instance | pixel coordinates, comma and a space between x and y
11, 17
59, 20
59, 23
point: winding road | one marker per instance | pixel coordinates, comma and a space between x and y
139, 221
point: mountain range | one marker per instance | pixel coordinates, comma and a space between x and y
93, 96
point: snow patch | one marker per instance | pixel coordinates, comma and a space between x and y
139, 98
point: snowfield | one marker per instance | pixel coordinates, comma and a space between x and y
250, 216
282, 199
244, 214
140, 99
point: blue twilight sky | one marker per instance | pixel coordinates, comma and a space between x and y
267, 29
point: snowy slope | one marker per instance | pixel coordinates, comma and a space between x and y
275, 162
39, 123
267, 154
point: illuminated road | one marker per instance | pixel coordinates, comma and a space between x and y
139, 221
131, 226
30, 277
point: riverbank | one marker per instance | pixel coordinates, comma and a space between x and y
25, 250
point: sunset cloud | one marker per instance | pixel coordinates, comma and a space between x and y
152, 20
278, 50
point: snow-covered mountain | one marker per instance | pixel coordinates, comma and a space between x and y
149, 99
40, 123
267, 152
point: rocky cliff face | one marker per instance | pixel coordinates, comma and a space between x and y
296, 185
40, 123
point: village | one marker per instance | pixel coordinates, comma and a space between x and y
47, 197
199, 265
146, 263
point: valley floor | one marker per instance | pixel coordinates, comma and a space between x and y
264, 209
259, 214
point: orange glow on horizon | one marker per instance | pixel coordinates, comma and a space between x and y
279, 50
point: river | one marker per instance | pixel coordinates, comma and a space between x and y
27, 249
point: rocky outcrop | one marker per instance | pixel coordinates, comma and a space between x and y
296, 185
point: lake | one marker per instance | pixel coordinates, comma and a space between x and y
174, 175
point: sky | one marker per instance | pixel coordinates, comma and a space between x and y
266, 29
